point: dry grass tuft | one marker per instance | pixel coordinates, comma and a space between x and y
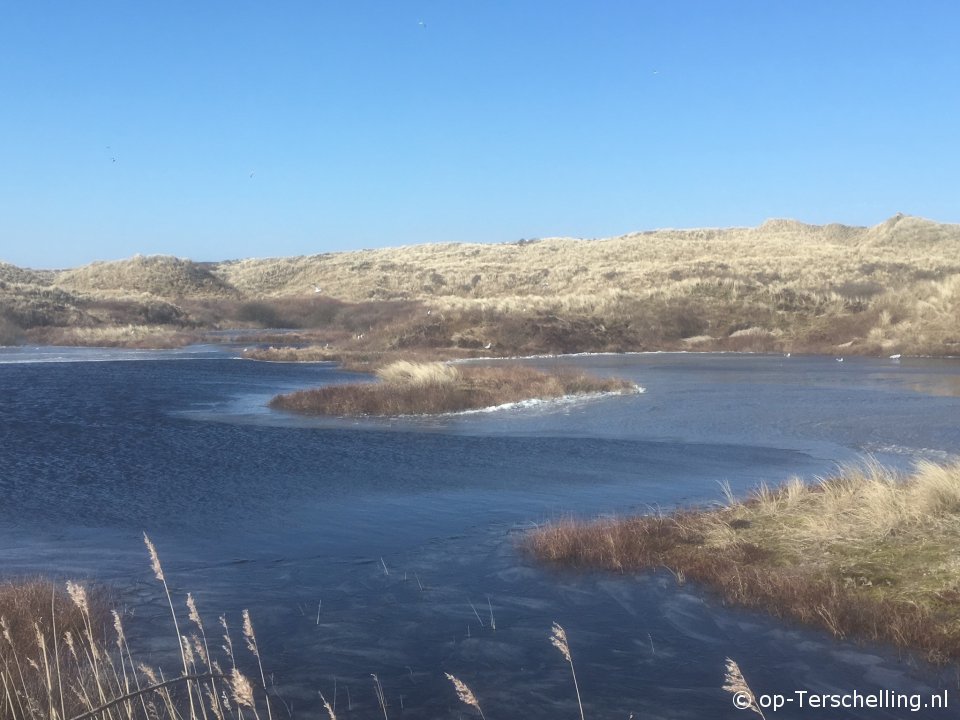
404, 373
429, 388
866, 553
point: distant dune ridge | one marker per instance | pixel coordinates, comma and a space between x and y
783, 285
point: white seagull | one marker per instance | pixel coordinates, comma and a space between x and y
316, 289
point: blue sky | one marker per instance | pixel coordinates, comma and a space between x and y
134, 127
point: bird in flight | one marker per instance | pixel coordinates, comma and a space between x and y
422, 24
317, 289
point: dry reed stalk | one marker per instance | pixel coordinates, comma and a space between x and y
735, 684
158, 573
122, 647
204, 652
56, 648
252, 646
558, 638
464, 694
242, 691
330, 713
378, 691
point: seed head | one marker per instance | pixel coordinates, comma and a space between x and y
249, 635
78, 594
154, 559
118, 628
242, 689
736, 684
559, 640
330, 712
194, 615
463, 692
148, 673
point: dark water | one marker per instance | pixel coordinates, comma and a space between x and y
402, 532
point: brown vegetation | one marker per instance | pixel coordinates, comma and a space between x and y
58, 660
408, 388
35, 617
866, 554
783, 286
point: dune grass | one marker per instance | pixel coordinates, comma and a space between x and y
409, 388
866, 554
782, 286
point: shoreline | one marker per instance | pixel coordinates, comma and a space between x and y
867, 553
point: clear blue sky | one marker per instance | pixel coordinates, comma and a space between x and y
133, 127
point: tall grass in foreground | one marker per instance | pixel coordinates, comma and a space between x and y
867, 553
408, 388
59, 661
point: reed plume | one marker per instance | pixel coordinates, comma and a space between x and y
326, 705
251, 640
464, 693
242, 690
558, 638
736, 685
158, 573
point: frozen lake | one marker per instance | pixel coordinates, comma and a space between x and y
402, 532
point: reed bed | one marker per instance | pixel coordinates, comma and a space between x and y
64, 655
866, 553
408, 388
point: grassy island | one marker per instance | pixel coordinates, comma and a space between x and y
409, 388
866, 554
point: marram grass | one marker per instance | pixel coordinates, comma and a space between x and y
865, 554
783, 286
